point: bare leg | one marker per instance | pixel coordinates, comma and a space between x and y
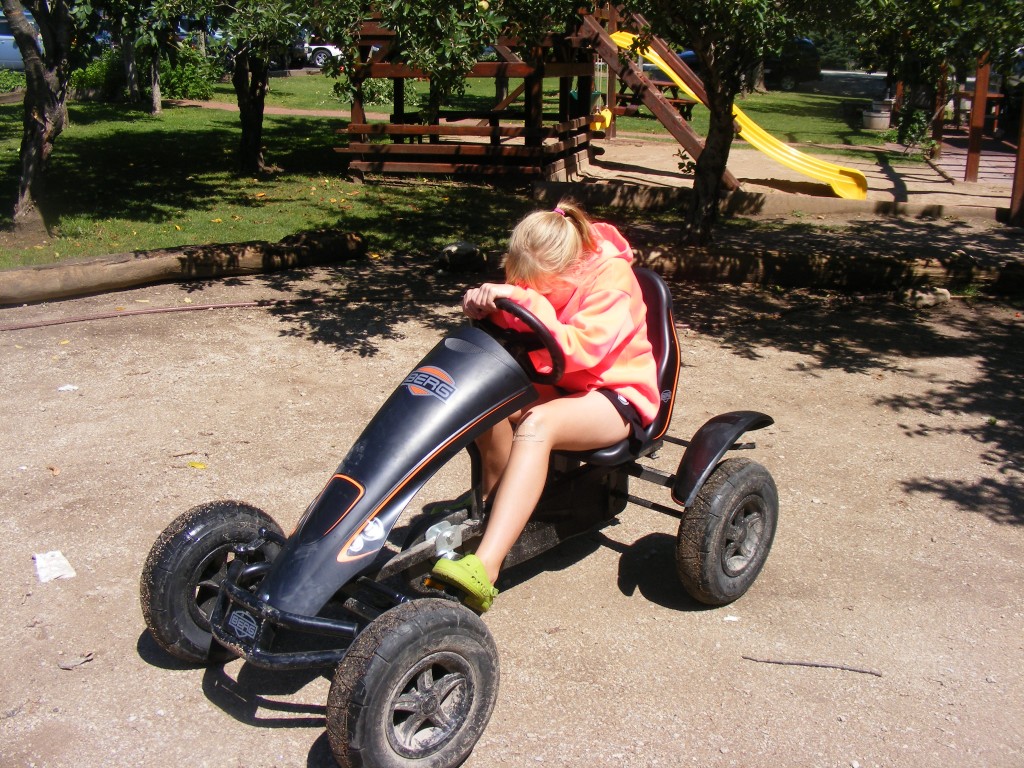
495, 446
576, 423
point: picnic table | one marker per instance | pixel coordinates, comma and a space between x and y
673, 95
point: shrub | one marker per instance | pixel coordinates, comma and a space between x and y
190, 76
379, 90
11, 80
104, 75
912, 129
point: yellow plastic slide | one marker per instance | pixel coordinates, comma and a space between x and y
845, 182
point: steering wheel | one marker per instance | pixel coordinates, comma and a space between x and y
519, 344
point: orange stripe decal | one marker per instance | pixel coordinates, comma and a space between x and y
343, 555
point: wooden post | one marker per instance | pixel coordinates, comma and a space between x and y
358, 113
398, 115
612, 96
535, 97
1017, 196
977, 122
939, 115
565, 108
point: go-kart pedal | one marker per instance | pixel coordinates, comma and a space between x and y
467, 575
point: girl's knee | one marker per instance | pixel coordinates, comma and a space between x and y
534, 427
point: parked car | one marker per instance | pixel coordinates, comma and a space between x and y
189, 26
10, 54
319, 53
797, 62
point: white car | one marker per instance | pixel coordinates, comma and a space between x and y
319, 54
10, 54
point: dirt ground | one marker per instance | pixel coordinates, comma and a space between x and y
896, 451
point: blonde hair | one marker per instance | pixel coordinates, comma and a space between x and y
549, 244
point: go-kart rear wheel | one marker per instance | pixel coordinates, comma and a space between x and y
183, 573
416, 688
725, 535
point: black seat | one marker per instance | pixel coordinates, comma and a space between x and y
661, 330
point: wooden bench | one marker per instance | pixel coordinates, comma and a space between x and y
466, 149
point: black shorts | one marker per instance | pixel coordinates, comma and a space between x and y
628, 413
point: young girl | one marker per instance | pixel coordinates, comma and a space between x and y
575, 276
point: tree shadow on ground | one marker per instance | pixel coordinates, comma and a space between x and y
876, 335
870, 254
364, 304
360, 306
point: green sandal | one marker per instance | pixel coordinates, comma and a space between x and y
467, 573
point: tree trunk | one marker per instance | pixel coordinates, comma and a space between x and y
711, 165
755, 79
131, 69
249, 79
156, 100
45, 106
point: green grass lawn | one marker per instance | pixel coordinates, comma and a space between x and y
794, 117
121, 180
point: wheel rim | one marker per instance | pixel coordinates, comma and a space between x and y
204, 585
430, 705
744, 536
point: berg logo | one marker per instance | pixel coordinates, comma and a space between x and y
427, 381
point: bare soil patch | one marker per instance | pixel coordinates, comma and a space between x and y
896, 450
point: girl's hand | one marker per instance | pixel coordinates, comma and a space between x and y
478, 303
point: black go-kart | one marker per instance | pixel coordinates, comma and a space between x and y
415, 672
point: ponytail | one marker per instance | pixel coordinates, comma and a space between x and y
549, 244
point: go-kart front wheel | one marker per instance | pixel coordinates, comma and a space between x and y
725, 535
415, 689
183, 573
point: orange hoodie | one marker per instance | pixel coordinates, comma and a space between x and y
600, 322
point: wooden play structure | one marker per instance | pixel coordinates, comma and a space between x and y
516, 136
519, 137
981, 98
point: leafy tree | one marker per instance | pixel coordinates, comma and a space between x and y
259, 30
918, 41
47, 71
730, 40
441, 37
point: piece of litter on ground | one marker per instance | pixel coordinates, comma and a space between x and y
53, 565
731, 618
76, 662
67, 388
